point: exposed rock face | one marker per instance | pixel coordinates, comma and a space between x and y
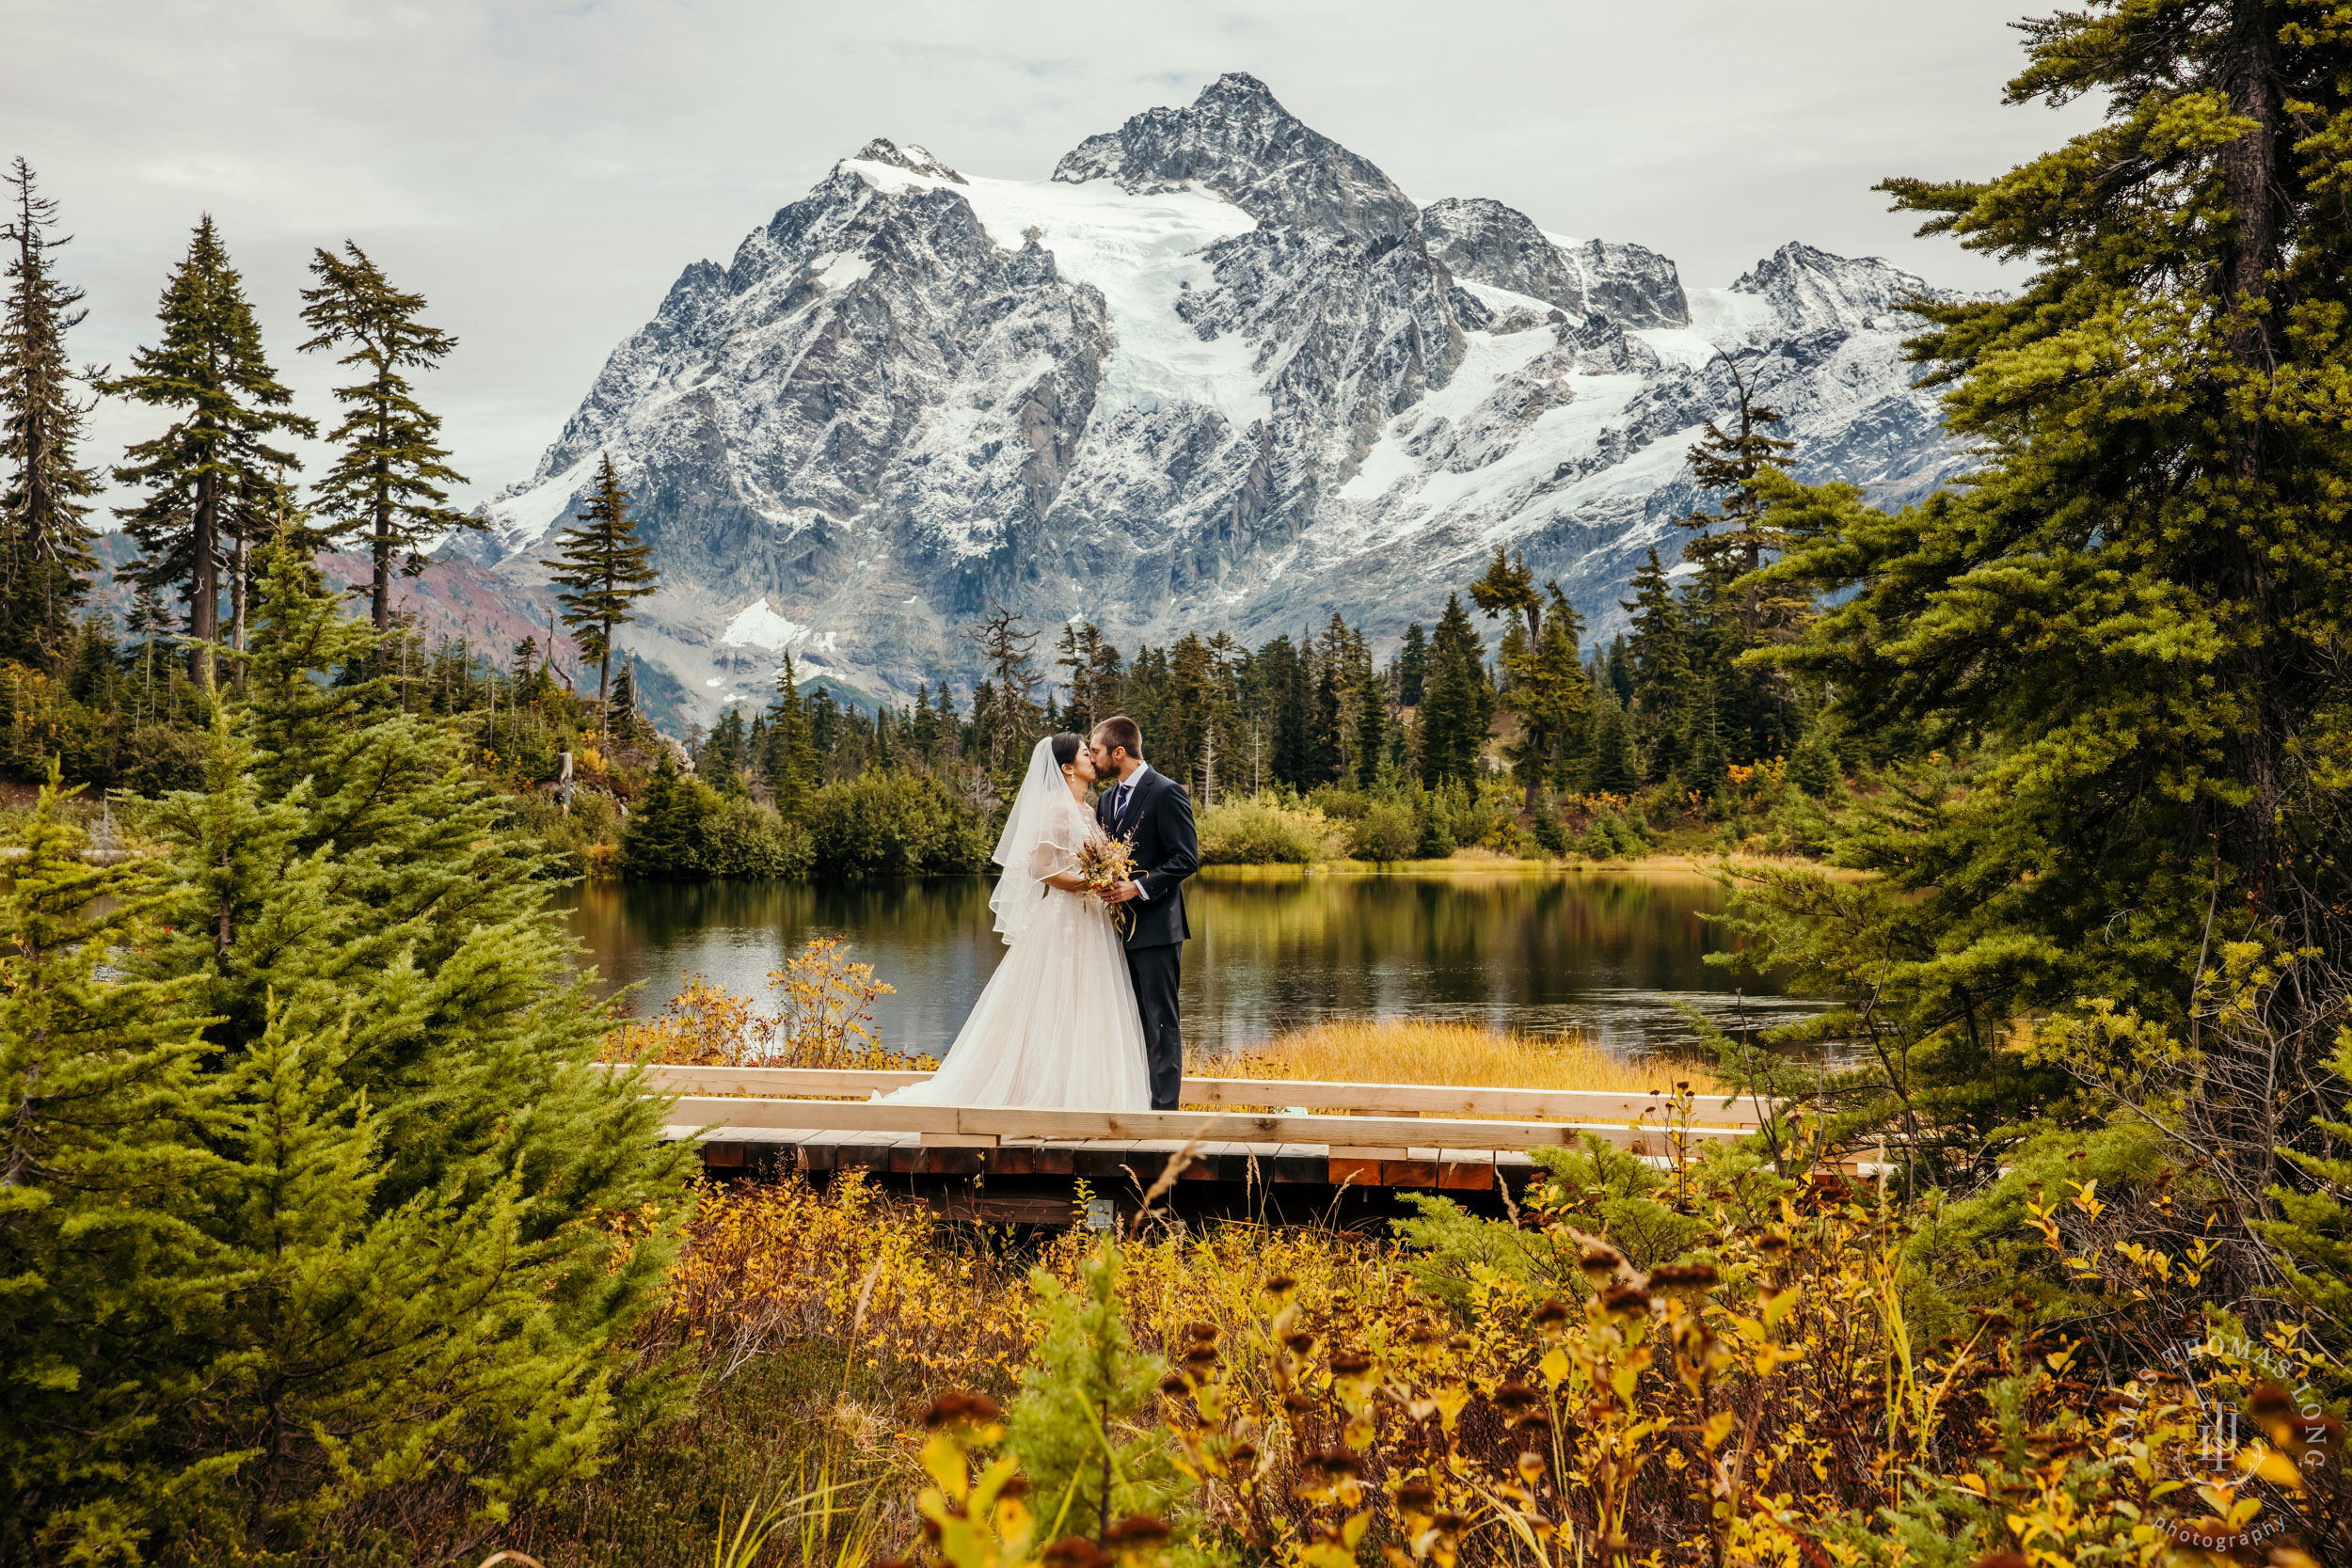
1487, 243
1237, 141
1217, 373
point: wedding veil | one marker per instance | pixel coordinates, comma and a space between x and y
1037, 811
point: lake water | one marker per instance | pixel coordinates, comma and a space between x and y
1604, 955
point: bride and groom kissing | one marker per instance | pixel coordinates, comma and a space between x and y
1082, 1013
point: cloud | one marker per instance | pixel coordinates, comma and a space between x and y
542, 171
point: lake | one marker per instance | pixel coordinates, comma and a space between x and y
1603, 954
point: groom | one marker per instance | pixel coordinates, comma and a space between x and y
1156, 811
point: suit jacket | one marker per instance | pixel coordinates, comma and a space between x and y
1167, 850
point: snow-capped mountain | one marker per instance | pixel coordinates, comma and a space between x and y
1217, 372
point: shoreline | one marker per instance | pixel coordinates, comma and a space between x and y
1638, 865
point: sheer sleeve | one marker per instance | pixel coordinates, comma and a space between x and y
1057, 852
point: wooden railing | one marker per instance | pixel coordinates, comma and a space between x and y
1372, 1120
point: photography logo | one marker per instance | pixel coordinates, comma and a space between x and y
2221, 1457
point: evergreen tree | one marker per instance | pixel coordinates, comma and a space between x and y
1539, 658
1004, 643
600, 571
212, 481
2133, 616
413, 1109
104, 1266
664, 833
1457, 702
387, 483
1372, 731
1613, 766
789, 763
1661, 660
46, 558
1083, 1393
1412, 666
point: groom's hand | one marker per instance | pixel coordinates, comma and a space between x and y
1123, 893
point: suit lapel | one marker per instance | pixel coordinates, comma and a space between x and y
1135, 803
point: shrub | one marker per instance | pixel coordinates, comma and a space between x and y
1264, 832
744, 839
684, 827
1386, 831
894, 824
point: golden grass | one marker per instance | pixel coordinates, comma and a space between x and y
1423, 1051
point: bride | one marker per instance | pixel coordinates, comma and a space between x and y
1057, 1028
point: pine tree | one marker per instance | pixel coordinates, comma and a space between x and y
213, 484
2132, 616
104, 1265
46, 558
1004, 643
1661, 657
1547, 687
370, 951
152, 626
1412, 666
600, 571
664, 833
1371, 730
1082, 1393
789, 766
1457, 702
387, 483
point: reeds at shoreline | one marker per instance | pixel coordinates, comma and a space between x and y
1448, 1051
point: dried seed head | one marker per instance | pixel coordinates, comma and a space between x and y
1350, 1363
1299, 1343
1516, 1397
1296, 1403
957, 1408
2271, 1404
1624, 1299
1203, 1331
1138, 1529
1335, 1462
1684, 1279
1772, 1244
1015, 1486
1552, 1310
1244, 1453
1075, 1551
1200, 1357
1280, 1284
1174, 1386
1600, 1262
1417, 1496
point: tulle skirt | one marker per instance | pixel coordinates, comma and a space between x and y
1055, 1028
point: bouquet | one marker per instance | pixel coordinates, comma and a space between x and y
1103, 863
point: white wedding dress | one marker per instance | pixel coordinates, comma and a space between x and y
1055, 1028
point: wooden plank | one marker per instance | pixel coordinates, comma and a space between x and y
1353, 1171
1129, 1127
1409, 1173
1452, 1099
722, 1155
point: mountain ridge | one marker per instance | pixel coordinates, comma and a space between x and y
1219, 371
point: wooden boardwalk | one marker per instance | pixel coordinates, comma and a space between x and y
1254, 1133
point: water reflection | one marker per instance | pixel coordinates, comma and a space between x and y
1603, 954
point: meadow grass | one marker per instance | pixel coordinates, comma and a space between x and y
1432, 1051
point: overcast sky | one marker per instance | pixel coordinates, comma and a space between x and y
542, 171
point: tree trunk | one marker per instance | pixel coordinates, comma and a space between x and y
236, 604
604, 688
204, 604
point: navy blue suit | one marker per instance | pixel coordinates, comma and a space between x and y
1158, 820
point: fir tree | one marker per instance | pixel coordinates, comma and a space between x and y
1412, 666
1457, 702
664, 833
417, 1122
1661, 659
213, 484
1372, 731
789, 765
387, 483
103, 1263
600, 571
1547, 686
1082, 1393
46, 558
2132, 616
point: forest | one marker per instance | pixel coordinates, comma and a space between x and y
334, 1227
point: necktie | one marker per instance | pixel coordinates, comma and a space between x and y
1126, 792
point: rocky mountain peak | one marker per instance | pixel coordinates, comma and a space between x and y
915, 159
1236, 140
1810, 288
1487, 242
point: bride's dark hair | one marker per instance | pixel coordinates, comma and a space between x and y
1066, 748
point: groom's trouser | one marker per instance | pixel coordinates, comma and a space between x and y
1155, 972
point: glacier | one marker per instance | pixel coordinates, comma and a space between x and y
1217, 372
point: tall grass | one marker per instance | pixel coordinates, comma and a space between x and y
1428, 1050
